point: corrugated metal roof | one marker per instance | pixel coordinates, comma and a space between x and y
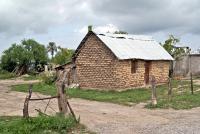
134, 47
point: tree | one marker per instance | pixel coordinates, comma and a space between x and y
63, 56
170, 47
52, 48
21, 57
175, 52
14, 56
37, 51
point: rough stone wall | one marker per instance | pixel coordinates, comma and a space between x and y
160, 69
124, 77
98, 68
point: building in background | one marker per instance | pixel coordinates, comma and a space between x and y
186, 64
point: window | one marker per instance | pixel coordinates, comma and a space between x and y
133, 66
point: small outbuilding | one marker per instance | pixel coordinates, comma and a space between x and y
119, 61
187, 64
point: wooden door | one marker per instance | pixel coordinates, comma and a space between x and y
147, 70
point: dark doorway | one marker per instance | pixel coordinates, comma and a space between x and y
147, 70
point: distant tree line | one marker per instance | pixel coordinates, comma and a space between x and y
31, 56
62, 56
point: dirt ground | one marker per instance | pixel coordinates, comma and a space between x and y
107, 118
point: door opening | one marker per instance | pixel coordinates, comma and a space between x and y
147, 70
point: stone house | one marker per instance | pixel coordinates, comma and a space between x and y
116, 61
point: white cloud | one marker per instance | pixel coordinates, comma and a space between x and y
20, 16
83, 30
107, 28
149, 16
111, 28
134, 16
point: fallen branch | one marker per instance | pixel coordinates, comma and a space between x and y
40, 112
47, 106
47, 98
72, 112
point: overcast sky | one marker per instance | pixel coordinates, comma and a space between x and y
66, 22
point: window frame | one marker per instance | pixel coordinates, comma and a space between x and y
134, 66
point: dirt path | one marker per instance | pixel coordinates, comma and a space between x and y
107, 118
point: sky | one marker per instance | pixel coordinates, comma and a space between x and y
65, 22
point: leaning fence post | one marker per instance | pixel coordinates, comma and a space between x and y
153, 96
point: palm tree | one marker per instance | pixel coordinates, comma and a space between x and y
52, 48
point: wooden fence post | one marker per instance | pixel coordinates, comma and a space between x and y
62, 103
169, 87
153, 96
191, 81
62, 99
26, 102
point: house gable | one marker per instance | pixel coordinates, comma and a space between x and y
95, 63
83, 42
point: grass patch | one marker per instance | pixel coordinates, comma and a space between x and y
39, 125
125, 97
6, 75
181, 99
30, 77
184, 101
37, 87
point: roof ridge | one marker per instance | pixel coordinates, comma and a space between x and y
128, 36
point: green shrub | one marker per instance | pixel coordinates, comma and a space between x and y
48, 77
6, 75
